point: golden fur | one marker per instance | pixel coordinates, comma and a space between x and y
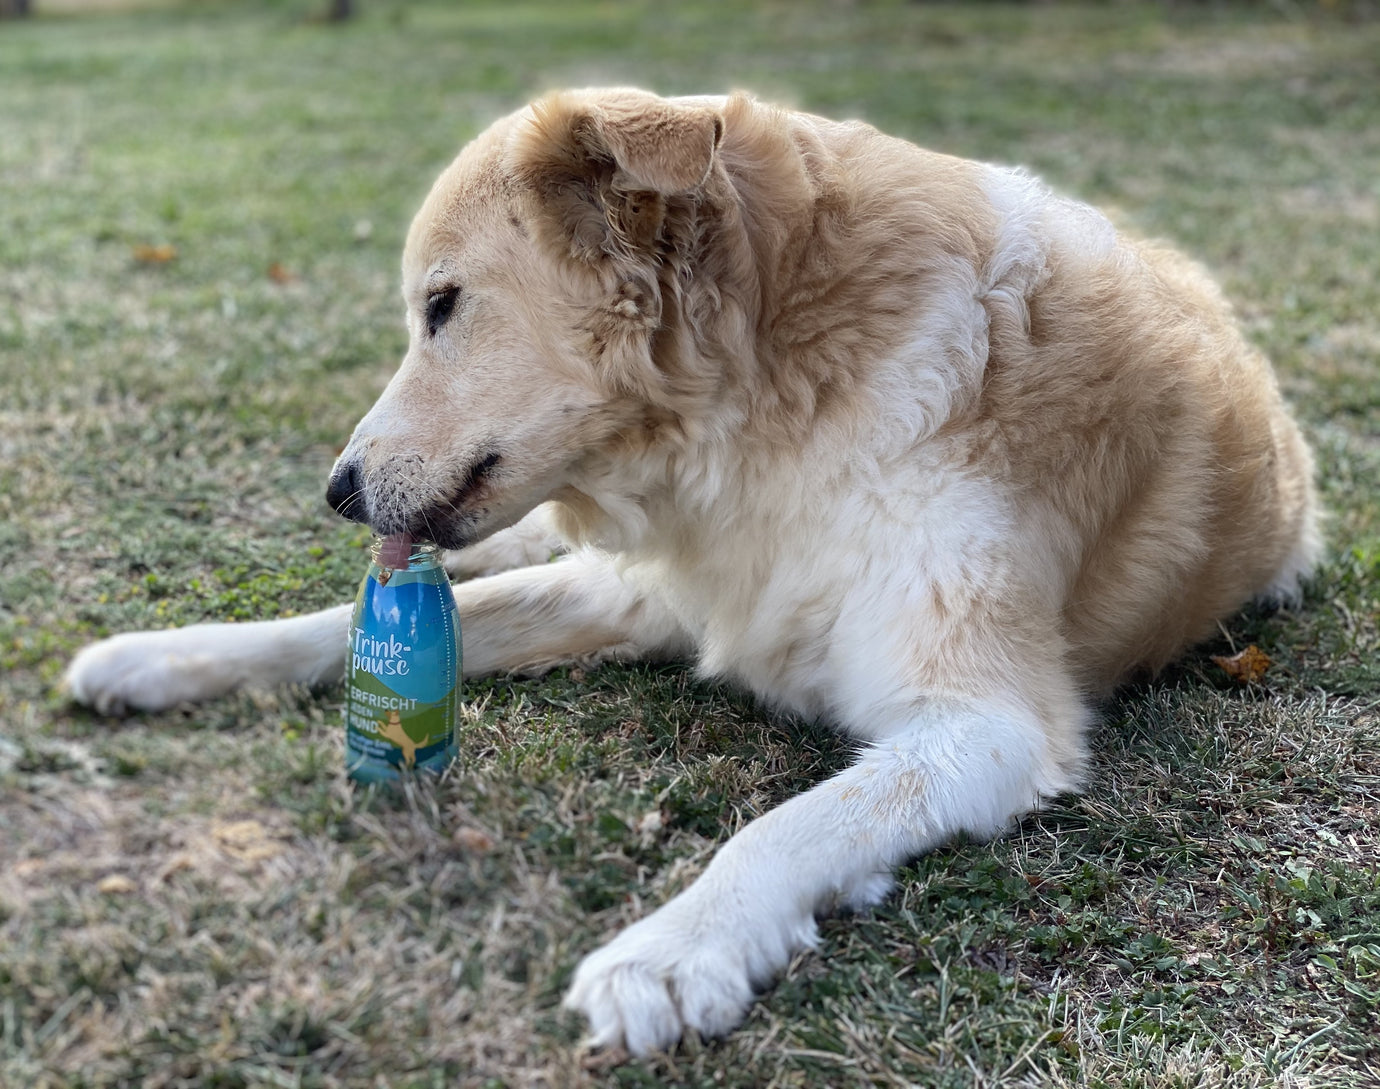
1117, 398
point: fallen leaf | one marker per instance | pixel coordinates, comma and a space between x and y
603, 1060
116, 884
155, 255
180, 861
248, 841
1247, 666
279, 274
473, 839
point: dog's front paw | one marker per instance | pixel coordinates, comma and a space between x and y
143, 671
680, 969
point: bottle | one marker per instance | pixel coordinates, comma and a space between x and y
403, 667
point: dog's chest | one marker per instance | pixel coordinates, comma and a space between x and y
807, 592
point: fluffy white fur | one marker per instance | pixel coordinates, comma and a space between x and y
908, 445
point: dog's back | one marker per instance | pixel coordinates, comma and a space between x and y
1100, 382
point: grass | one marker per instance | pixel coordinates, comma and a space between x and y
198, 899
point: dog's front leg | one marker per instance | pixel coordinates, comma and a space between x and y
155, 670
580, 608
694, 963
575, 609
531, 541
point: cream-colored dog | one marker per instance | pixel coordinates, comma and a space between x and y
900, 442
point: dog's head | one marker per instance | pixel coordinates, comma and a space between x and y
553, 313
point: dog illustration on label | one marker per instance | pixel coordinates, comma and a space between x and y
392, 730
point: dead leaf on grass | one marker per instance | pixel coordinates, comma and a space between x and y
280, 274
1245, 666
177, 863
246, 840
116, 884
603, 1060
155, 255
473, 839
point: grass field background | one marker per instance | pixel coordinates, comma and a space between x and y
201, 213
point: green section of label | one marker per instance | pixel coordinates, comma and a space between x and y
382, 725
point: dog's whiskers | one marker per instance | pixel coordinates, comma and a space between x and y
348, 505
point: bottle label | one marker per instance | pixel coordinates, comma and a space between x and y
403, 673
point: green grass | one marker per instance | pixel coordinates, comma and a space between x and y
198, 899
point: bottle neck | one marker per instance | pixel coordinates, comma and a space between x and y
402, 553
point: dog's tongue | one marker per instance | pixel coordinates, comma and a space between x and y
395, 550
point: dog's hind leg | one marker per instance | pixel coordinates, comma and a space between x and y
578, 609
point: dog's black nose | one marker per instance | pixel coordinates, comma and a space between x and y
345, 492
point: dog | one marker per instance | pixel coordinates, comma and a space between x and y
901, 442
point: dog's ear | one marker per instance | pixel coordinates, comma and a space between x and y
662, 146
606, 164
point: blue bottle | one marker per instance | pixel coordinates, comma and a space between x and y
403, 669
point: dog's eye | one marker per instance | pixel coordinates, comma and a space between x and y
439, 306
